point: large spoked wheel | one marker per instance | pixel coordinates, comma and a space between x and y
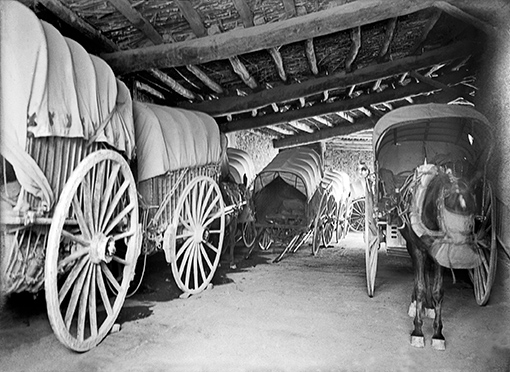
371, 243
199, 220
483, 275
249, 233
320, 225
93, 245
343, 224
265, 240
357, 215
330, 221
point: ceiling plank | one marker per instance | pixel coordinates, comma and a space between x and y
139, 21
241, 41
412, 89
466, 17
341, 130
234, 105
355, 47
300, 126
384, 54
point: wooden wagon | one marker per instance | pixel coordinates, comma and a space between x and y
179, 156
409, 143
289, 200
335, 216
69, 200
242, 169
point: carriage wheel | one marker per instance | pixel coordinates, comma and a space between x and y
94, 232
343, 224
483, 275
371, 244
331, 221
357, 216
200, 228
265, 241
249, 233
321, 221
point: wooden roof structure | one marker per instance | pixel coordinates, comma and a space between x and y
304, 71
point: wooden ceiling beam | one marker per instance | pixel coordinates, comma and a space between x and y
355, 47
417, 49
300, 126
384, 53
235, 105
412, 89
456, 12
241, 41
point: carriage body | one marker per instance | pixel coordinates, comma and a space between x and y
406, 142
288, 198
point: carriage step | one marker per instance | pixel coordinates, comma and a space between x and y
397, 251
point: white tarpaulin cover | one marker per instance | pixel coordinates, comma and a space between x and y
51, 86
168, 139
240, 164
300, 167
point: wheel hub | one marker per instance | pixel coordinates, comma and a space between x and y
201, 234
102, 249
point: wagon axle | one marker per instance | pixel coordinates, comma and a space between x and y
102, 249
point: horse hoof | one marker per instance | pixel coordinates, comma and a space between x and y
412, 309
418, 341
438, 344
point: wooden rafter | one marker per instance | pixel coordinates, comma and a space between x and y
148, 89
466, 17
233, 105
300, 126
167, 80
241, 41
384, 53
425, 33
412, 89
280, 130
355, 47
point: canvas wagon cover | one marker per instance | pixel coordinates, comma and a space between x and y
339, 183
299, 167
405, 136
168, 139
50, 86
240, 164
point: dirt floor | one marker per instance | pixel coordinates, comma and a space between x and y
303, 314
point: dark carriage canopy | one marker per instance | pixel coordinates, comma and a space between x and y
405, 137
168, 139
300, 167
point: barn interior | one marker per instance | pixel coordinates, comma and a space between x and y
290, 73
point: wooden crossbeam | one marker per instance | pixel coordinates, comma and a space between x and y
300, 126
466, 17
241, 41
234, 105
355, 47
412, 89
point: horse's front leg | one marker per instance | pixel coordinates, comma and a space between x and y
438, 340
417, 338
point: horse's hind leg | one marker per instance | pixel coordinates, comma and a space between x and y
438, 340
417, 338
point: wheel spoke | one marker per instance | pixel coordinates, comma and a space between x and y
110, 277
205, 202
87, 202
108, 191
185, 223
187, 211
102, 291
200, 202
92, 305
98, 190
201, 254
210, 246
185, 259
83, 304
82, 222
76, 270
204, 254
189, 263
77, 289
72, 257
211, 219
75, 238
210, 209
123, 235
116, 199
120, 260
183, 248
119, 217
195, 266
184, 235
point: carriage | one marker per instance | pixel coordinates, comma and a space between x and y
242, 170
412, 144
73, 215
335, 216
289, 201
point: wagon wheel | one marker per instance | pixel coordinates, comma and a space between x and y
265, 241
483, 275
343, 224
331, 221
94, 232
249, 233
371, 243
357, 215
319, 226
199, 220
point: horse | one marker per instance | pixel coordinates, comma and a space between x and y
439, 211
234, 194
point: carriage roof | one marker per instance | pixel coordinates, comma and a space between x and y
168, 139
456, 130
240, 164
338, 181
299, 167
